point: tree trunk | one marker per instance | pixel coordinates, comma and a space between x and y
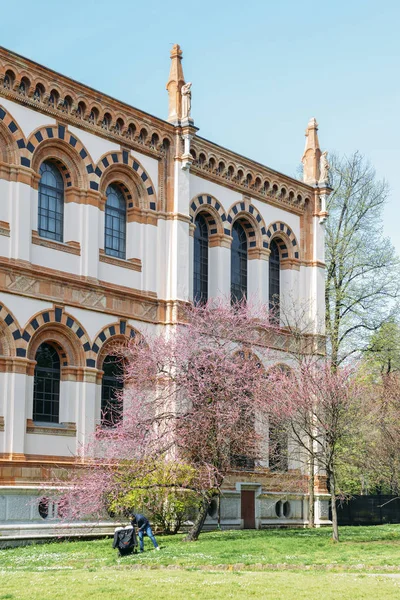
335, 528
197, 526
311, 495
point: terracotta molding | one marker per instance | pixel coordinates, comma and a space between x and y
135, 264
313, 263
79, 93
35, 460
34, 281
14, 364
69, 247
5, 228
84, 196
139, 215
18, 173
290, 263
68, 430
258, 253
173, 216
219, 240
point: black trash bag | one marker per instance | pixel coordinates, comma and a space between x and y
125, 540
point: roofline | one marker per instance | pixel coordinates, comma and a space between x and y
34, 62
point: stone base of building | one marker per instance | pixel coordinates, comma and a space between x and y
249, 501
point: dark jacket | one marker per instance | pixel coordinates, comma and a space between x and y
140, 521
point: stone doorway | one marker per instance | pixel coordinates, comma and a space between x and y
247, 498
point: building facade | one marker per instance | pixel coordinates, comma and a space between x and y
110, 220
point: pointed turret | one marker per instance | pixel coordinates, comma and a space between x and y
312, 154
175, 82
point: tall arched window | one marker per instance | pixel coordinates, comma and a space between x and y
51, 202
115, 223
200, 261
46, 387
111, 385
274, 278
238, 263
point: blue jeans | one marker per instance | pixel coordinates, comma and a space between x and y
146, 531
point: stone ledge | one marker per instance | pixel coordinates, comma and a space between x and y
70, 247
135, 264
59, 429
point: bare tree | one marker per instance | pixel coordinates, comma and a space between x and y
319, 409
362, 268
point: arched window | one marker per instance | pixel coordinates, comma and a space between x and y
111, 385
274, 278
51, 202
115, 223
46, 387
200, 261
238, 263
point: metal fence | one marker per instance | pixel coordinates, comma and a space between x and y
369, 510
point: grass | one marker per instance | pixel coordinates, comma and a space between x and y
269, 564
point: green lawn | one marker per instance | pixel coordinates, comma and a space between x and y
271, 564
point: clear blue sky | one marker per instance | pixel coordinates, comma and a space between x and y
260, 69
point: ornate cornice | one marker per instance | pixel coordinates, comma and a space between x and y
248, 177
65, 99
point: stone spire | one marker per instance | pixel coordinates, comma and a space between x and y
312, 154
175, 82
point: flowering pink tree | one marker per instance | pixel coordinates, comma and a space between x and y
318, 408
192, 396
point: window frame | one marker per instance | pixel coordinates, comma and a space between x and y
239, 266
115, 224
47, 377
200, 260
54, 195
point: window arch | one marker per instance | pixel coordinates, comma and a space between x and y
111, 385
51, 202
46, 387
115, 223
200, 260
238, 263
274, 278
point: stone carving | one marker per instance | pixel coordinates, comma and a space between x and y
92, 299
323, 168
20, 283
186, 100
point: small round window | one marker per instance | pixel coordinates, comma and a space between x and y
43, 508
286, 509
278, 508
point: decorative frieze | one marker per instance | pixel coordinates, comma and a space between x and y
40, 88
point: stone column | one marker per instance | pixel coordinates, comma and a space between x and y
258, 275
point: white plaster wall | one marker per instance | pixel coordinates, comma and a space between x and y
163, 255
224, 195
20, 220
5, 246
92, 321
5, 199
88, 222
150, 165
55, 259
27, 119
95, 145
257, 284
23, 308
56, 445
69, 396
219, 272
271, 214
120, 276
151, 268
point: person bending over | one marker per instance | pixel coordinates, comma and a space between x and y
144, 528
